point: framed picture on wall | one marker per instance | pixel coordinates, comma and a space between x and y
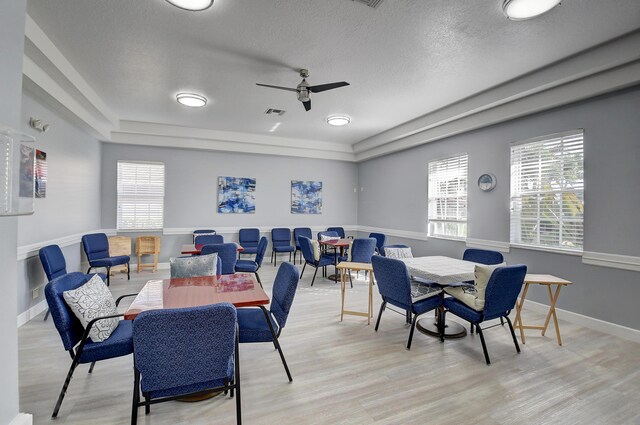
236, 195
306, 197
41, 174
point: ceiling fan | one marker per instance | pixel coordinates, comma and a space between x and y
304, 90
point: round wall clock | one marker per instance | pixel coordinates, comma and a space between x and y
487, 182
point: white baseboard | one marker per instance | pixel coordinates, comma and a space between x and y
32, 312
161, 266
588, 322
22, 419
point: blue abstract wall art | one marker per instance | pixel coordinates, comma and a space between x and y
236, 195
306, 197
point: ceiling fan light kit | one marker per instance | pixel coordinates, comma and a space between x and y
338, 120
519, 10
191, 99
192, 5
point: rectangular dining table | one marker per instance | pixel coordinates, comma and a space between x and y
193, 249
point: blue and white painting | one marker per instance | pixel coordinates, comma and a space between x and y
236, 195
306, 197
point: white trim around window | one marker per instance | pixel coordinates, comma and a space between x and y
447, 197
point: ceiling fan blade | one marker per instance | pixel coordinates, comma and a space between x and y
325, 87
277, 87
307, 105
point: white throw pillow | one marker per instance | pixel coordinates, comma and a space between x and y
473, 296
325, 238
466, 294
398, 253
90, 301
316, 249
197, 265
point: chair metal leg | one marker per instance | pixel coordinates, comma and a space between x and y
441, 322
289, 257
277, 344
236, 378
147, 404
128, 272
89, 270
108, 275
314, 276
46, 315
136, 397
350, 280
501, 321
413, 328
258, 279
56, 409
91, 367
471, 328
382, 307
484, 345
303, 267
513, 334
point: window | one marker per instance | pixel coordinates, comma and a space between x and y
448, 197
547, 191
140, 195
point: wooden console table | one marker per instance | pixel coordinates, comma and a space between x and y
547, 280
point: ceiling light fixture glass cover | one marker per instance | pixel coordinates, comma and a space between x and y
518, 10
191, 99
338, 120
194, 5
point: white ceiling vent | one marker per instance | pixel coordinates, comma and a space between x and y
272, 111
370, 3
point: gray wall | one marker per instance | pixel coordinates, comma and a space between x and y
12, 20
191, 190
396, 186
72, 203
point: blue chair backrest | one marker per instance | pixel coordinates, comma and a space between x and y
328, 233
96, 246
392, 276
306, 248
362, 250
262, 248
53, 261
171, 352
227, 252
249, 237
284, 289
281, 237
208, 239
482, 256
392, 246
502, 290
338, 230
380, 238
67, 324
202, 232
301, 231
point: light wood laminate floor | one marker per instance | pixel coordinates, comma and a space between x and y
345, 373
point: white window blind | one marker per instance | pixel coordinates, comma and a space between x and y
140, 195
448, 196
547, 191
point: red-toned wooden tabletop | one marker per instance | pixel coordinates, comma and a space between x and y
240, 289
337, 242
195, 249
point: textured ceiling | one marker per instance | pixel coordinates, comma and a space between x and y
404, 59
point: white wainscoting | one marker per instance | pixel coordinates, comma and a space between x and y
31, 250
624, 262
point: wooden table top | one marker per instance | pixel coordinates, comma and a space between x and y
240, 289
190, 248
337, 242
545, 279
355, 266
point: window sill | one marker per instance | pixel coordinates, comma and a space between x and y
574, 252
447, 238
139, 230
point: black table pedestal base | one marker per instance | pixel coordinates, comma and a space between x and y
452, 329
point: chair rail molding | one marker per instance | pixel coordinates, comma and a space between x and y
263, 229
489, 244
408, 234
31, 250
624, 262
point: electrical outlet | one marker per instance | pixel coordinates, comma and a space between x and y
36, 293
355, 190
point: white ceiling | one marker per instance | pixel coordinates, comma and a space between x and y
404, 59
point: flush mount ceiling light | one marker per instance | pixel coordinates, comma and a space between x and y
191, 99
193, 5
338, 120
518, 10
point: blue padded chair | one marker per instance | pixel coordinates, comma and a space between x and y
483, 256
202, 232
75, 338
307, 253
174, 358
339, 230
258, 325
362, 250
96, 246
280, 242
501, 294
380, 238
250, 266
227, 252
249, 239
208, 239
392, 246
53, 263
394, 284
300, 231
